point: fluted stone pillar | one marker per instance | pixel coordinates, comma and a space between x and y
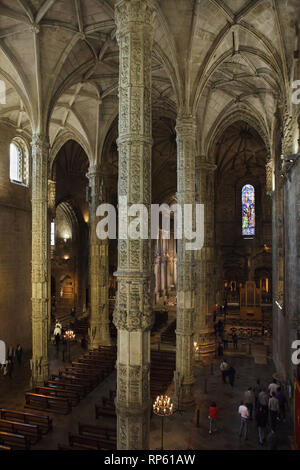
40, 259
184, 374
98, 270
133, 311
205, 261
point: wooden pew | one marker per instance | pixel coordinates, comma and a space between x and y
42, 421
32, 431
99, 431
44, 402
59, 392
72, 379
89, 442
80, 389
14, 441
88, 380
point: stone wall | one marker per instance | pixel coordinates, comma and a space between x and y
15, 252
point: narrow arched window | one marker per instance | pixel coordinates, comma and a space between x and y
248, 211
18, 167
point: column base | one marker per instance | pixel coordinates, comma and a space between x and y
207, 344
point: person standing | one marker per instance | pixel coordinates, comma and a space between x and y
224, 367
57, 333
235, 341
263, 399
274, 410
273, 388
10, 353
282, 401
19, 352
212, 417
261, 420
244, 414
249, 399
220, 349
231, 375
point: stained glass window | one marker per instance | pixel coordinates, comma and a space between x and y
248, 210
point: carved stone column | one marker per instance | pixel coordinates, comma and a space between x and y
51, 218
184, 374
133, 311
205, 261
98, 270
40, 259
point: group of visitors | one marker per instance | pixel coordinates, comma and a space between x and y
13, 353
268, 407
265, 405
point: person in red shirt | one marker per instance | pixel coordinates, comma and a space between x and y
212, 417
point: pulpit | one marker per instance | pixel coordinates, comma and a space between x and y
250, 301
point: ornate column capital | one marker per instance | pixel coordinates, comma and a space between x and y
133, 11
186, 125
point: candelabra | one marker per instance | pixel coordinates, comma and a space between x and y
163, 407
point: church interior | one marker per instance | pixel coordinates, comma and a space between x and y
117, 343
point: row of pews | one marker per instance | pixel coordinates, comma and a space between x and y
91, 437
96, 437
19, 430
65, 389
163, 364
169, 335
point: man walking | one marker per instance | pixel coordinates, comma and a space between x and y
274, 410
249, 399
244, 413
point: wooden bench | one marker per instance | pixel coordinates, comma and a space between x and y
82, 390
44, 402
72, 379
5, 448
42, 421
88, 380
90, 442
14, 441
59, 392
109, 434
32, 431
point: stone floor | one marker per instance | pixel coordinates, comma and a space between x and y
180, 430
